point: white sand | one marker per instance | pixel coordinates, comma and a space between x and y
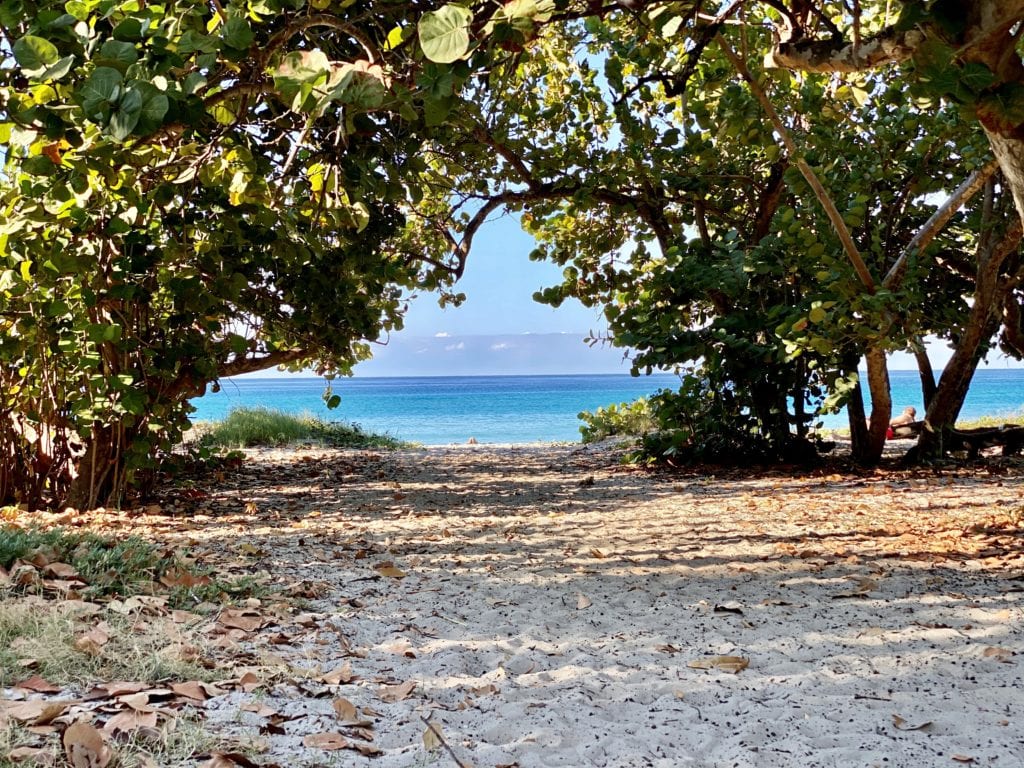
553, 601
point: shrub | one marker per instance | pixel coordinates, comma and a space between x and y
249, 427
625, 419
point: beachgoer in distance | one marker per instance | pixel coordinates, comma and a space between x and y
909, 416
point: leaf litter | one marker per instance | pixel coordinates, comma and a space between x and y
482, 571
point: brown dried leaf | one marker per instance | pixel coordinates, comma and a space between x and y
179, 577
328, 740
259, 709
36, 712
190, 690
228, 760
85, 747
1002, 655
345, 710
901, 724
247, 621
731, 664
962, 758
432, 737
396, 693
38, 684
130, 720
389, 570
595, 552
250, 681
341, 676
60, 571
92, 642
582, 602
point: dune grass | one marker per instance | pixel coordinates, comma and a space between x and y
250, 427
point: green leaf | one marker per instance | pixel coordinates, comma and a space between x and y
58, 69
117, 54
101, 89
124, 120
817, 314
397, 36
34, 54
333, 401
444, 33
237, 33
78, 9
154, 109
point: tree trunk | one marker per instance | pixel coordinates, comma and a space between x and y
97, 471
881, 406
857, 416
925, 371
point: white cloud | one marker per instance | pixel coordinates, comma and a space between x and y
442, 335
453, 347
501, 345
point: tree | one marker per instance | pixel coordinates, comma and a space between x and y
665, 193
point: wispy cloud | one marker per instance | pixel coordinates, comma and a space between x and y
454, 347
501, 345
442, 335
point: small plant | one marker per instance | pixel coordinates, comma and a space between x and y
625, 420
249, 427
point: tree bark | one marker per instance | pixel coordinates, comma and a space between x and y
925, 372
96, 471
881, 405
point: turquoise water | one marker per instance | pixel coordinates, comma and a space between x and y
519, 409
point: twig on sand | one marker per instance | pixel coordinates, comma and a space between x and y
434, 729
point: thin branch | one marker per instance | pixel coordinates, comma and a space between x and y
939, 219
440, 737
819, 191
269, 360
319, 20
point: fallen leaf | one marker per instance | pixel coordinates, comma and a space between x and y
396, 693
345, 710
259, 709
130, 720
228, 760
38, 684
37, 711
865, 586
326, 741
250, 681
35, 755
1002, 655
962, 758
60, 571
902, 725
247, 621
190, 690
179, 577
595, 552
342, 675
389, 570
432, 737
732, 664
92, 642
582, 602
85, 747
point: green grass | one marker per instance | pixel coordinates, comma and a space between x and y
249, 427
113, 567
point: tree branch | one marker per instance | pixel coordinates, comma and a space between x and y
837, 55
939, 219
269, 360
819, 191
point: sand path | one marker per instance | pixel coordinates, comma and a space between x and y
544, 606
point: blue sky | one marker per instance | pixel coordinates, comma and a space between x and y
499, 329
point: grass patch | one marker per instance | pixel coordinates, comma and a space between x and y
175, 745
250, 427
112, 567
147, 648
999, 420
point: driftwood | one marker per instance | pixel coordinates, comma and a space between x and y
1008, 437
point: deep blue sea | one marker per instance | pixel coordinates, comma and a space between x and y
520, 409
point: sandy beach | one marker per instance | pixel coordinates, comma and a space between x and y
547, 606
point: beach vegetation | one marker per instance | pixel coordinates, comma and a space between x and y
251, 427
193, 190
628, 420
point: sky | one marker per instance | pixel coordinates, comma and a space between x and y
501, 330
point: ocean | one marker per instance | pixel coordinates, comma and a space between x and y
441, 410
